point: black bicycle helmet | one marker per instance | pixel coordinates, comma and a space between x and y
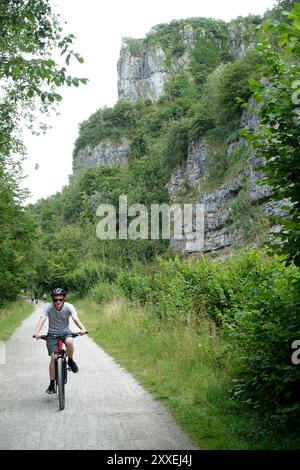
58, 291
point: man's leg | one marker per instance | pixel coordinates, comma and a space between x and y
70, 350
70, 346
52, 367
52, 388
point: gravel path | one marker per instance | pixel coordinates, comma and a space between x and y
105, 406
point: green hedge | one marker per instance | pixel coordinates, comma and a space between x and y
254, 300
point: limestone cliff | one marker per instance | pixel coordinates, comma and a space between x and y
144, 67
106, 153
141, 76
145, 64
220, 226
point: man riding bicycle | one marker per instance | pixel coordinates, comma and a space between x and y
58, 313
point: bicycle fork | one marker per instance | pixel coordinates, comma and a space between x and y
62, 355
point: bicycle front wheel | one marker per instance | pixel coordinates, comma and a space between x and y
61, 382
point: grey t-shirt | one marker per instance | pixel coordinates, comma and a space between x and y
59, 320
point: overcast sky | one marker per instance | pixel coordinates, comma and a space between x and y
99, 27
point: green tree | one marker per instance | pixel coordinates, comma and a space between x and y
29, 77
234, 88
17, 233
277, 139
205, 58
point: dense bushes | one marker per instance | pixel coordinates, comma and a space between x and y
174, 144
135, 286
170, 38
253, 300
84, 277
234, 86
276, 138
206, 56
262, 323
225, 89
107, 123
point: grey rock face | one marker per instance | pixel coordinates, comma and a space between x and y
188, 35
250, 119
176, 181
217, 218
141, 76
105, 154
191, 171
195, 164
274, 208
179, 63
219, 230
237, 34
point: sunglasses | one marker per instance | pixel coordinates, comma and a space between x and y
58, 300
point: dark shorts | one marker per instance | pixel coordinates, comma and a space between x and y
52, 343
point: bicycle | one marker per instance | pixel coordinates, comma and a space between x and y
61, 368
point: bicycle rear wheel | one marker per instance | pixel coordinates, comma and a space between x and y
60, 380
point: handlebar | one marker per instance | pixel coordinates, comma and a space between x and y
60, 336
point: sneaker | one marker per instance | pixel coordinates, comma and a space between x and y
51, 389
73, 366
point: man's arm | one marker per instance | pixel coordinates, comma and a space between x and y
79, 324
76, 320
39, 327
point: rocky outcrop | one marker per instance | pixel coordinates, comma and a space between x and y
142, 66
238, 47
219, 229
106, 153
241, 33
142, 70
141, 76
189, 173
219, 226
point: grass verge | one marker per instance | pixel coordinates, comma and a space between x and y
186, 367
11, 316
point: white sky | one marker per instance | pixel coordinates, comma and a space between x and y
99, 26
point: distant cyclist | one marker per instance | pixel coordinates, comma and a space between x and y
36, 297
58, 313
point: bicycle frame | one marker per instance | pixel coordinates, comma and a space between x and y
60, 346
61, 350
61, 354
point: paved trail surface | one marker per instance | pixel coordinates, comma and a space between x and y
105, 406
